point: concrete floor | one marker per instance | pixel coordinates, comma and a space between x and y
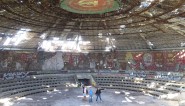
73, 97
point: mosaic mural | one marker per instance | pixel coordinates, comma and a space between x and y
164, 61
42, 61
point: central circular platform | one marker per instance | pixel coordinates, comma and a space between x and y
74, 97
90, 6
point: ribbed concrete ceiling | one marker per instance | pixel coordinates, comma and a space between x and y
133, 25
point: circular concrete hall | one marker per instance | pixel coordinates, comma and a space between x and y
63, 52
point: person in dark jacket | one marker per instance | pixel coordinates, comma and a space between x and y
98, 94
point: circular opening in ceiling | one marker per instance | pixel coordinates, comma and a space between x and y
89, 6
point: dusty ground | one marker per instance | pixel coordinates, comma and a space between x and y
73, 97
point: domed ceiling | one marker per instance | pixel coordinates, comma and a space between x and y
92, 25
90, 6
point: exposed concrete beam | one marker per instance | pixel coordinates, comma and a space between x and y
157, 27
147, 41
176, 29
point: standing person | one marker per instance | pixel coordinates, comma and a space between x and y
90, 95
83, 87
98, 94
84, 92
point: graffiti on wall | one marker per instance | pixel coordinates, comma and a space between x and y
15, 75
154, 75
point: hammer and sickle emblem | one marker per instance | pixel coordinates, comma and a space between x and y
88, 3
